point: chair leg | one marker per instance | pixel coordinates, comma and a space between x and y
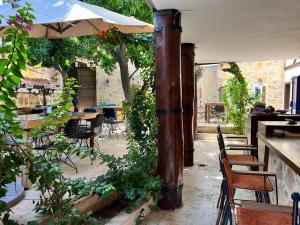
225, 215
71, 164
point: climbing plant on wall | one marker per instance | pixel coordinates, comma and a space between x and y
237, 99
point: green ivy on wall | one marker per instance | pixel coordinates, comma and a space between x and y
237, 99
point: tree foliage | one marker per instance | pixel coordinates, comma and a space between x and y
119, 49
237, 99
134, 175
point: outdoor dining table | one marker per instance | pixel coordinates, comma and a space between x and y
208, 106
31, 121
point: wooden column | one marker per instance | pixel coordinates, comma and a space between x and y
188, 96
169, 108
195, 118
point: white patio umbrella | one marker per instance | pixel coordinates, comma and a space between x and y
66, 18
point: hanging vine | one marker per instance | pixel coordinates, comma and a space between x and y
237, 99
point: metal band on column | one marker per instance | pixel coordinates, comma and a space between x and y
169, 108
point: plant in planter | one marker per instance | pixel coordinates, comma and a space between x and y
56, 192
134, 175
237, 99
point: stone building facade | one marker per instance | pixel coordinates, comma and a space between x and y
270, 75
109, 86
38, 76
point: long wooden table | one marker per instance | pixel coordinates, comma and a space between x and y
287, 149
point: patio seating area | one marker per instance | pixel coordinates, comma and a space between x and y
23, 212
149, 112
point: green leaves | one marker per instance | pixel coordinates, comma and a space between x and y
237, 99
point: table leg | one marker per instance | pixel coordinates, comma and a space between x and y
25, 180
92, 140
205, 112
208, 113
266, 158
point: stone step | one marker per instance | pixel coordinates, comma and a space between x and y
14, 194
207, 136
213, 129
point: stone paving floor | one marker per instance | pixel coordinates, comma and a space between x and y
200, 191
23, 212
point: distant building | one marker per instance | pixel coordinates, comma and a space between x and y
266, 79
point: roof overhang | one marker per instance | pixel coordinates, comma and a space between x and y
243, 30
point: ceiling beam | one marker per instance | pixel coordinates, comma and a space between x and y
292, 66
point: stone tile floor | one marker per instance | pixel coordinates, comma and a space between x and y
23, 212
200, 191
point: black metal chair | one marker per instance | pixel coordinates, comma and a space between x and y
111, 125
89, 110
81, 134
96, 125
43, 143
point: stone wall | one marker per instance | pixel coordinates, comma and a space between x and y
207, 87
271, 73
109, 86
25, 99
36, 76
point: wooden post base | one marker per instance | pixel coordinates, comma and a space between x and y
171, 198
189, 158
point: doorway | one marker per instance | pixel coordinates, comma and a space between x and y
87, 91
287, 95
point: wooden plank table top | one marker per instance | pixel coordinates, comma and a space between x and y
287, 149
31, 121
279, 124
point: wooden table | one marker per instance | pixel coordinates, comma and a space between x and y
254, 118
31, 121
287, 149
208, 106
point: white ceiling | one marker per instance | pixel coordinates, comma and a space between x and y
239, 30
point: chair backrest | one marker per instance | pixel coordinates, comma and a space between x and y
218, 128
221, 141
296, 199
90, 110
227, 169
71, 128
109, 113
97, 122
